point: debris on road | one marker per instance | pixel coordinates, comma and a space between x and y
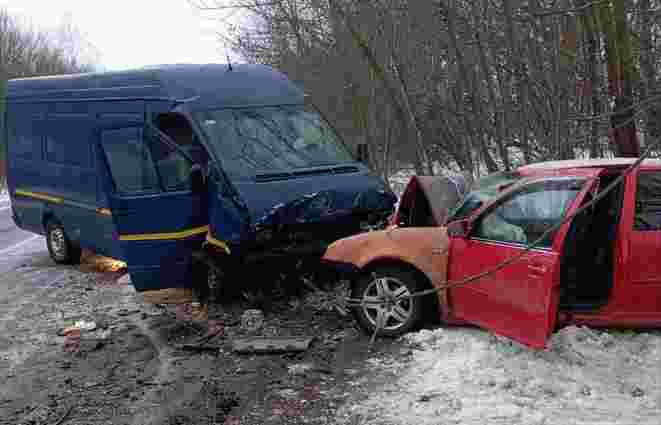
252, 321
91, 262
215, 329
271, 344
125, 279
300, 368
84, 325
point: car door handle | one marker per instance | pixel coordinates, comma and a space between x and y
537, 268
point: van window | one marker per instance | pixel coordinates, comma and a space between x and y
70, 147
173, 167
130, 164
251, 141
24, 142
648, 201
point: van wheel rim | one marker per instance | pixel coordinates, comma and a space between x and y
57, 242
387, 303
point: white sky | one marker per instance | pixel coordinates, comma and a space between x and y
131, 33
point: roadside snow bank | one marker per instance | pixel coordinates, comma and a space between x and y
468, 376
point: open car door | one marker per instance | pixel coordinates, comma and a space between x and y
519, 300
159, 219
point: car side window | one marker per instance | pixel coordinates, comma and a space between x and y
524, 216
648, 201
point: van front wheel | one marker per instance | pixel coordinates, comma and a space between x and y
60, 248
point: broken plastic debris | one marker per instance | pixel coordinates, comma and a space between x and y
252, 320
271, 344
199, 312
124, 279
85, 325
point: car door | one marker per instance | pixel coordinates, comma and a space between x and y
158, 218
638, 300
520, 299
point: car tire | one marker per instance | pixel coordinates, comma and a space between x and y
402, 314
60, 247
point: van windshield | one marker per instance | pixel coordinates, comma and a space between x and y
271, 139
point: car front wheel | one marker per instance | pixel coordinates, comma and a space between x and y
386, 301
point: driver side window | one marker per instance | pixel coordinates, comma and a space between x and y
526, 215
174, 168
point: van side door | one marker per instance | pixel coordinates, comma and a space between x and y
158, 217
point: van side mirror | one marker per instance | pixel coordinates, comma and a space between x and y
459, 229
197, 179
362, 153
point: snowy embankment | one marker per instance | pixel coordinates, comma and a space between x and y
469, 376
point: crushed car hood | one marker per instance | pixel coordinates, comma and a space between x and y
441, 194
319, 207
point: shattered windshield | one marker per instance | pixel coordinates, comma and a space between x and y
485, 190
262, 140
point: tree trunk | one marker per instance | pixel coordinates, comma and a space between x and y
591, 80
491, 89
648, 86
423, 164
463, 83
620, 74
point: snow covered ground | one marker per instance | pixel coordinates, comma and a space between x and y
469, 376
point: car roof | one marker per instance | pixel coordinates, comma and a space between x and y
214, 85
587, 163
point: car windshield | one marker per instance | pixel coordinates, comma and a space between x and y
252, 141
485, 190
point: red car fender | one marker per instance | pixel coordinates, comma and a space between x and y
424, 248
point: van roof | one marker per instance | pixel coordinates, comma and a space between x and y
204, 85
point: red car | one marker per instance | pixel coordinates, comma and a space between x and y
600, 268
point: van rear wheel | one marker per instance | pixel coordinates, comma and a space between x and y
60, 247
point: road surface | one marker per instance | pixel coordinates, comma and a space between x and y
18, 247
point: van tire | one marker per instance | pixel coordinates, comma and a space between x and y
60, 247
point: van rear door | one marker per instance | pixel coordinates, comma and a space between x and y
158, 225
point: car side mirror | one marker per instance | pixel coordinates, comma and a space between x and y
362, 153
459, 229
197, 179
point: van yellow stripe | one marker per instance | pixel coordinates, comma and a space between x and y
58, 200
164, 236
218, 243
41, 196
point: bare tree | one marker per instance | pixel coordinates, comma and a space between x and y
463, 85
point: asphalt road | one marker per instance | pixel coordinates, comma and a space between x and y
18, 247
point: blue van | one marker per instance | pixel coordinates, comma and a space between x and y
164, 165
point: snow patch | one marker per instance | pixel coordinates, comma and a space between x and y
469, 376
